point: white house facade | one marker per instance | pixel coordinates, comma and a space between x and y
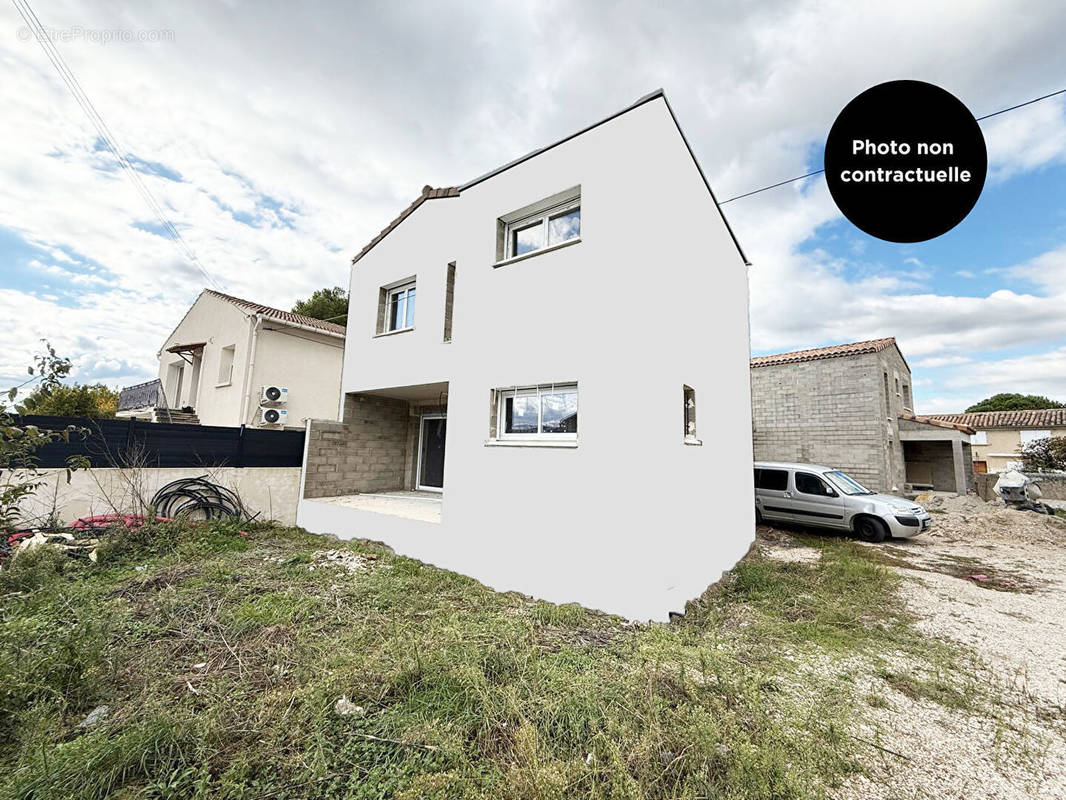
226, 350
529, 359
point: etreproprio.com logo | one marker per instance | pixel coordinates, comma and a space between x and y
97, 35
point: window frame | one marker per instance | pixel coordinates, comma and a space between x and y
228, 379
819, 479
540, 213
537, 390
392, 292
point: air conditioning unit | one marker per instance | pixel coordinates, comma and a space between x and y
272, 416
273, 394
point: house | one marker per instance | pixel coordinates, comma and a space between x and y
527, 377
1000, 435
226, 351
850, 406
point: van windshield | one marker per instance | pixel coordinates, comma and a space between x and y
845, 484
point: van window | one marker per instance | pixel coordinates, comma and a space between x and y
811, 484
774, 479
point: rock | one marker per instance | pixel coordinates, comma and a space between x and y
346, 708
95, 717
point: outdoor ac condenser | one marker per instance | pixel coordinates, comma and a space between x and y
273, 394
272, 416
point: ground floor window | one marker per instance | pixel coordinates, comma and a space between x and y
548, 411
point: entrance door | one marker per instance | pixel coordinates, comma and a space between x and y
431, 452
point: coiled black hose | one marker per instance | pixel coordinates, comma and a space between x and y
186, 497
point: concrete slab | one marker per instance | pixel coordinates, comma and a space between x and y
423, 506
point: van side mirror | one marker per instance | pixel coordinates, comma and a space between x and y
831, 492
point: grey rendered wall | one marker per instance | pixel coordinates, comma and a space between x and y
823, 412
893, 465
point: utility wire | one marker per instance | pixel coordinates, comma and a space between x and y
106, 135
820, 171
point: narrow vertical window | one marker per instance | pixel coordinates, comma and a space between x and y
225, 365
888, 400
449, 299
688, 395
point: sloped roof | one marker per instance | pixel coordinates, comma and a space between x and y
939, 423
429, 193
982, 420
818, 353
280, 316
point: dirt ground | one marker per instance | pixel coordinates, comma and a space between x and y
992, 580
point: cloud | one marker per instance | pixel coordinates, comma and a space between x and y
941, 361
279, 144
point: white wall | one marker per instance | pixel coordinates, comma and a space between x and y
308, 364
654, 297
220, 324
271, 491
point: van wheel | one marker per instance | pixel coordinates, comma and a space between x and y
871, 529
758, 516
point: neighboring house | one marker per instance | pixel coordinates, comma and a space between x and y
1000, 435
225, 351
850, 406
588, 275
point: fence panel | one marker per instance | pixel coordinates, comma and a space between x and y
130, 442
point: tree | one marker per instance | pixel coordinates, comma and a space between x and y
79, 400
19, 476
1045, 455
1015, 402
325, 304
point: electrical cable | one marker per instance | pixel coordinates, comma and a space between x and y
820, 171
106, 135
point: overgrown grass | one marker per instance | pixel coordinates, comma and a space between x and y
221, 654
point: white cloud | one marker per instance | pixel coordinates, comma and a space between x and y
340, 116
940, 361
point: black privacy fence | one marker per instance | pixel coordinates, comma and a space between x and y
136, 443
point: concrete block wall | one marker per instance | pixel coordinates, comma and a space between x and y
827, 412
936, 458
367, 452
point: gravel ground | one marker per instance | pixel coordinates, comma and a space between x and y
994, 581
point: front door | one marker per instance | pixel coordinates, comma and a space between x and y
431, 452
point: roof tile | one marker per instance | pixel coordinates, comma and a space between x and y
1034, 418
284, 317
818, 353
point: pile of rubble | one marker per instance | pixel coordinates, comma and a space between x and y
968, 517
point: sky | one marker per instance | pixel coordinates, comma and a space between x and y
281, 137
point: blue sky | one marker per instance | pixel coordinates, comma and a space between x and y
279, 144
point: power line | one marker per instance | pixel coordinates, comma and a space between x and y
820, 171
106, 135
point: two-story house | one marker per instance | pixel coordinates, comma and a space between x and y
1001, 435
531, 361
850, 406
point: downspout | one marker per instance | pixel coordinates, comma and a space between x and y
253, 340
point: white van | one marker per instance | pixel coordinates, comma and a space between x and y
808, 494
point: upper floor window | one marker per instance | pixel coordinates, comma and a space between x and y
908, 403
549, 223
538, 412
396, 307
225, 365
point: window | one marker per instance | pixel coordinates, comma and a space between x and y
1032, 436
811, 484
907, 402
538, 412
981, 437
449, 301
773, 479
396, 307
689, 396
225, 365
888, 401
550, 223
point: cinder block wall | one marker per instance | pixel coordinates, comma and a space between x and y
827, 412
367, 452
940, 459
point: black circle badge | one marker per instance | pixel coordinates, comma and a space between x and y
905, 161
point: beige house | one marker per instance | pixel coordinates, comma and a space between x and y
225, 355
1000, 435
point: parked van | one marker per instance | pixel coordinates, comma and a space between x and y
823, 497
